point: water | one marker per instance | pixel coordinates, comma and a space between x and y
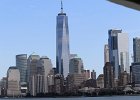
86, 98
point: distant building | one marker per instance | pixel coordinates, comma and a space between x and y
108, 75
118, 52
87, 74
21, 64
74, 81
13, 82
135, 74
59, 84
93, 75
4, 86
136, 49
32, 73
124, 79
46, 64
100, 81
76, 66
106, 53
89, 83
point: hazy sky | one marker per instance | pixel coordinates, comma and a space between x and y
28, 26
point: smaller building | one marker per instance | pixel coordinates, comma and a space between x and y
59, 84
108, 75
87, 74
4, 86
13, 82
100, 81
76, 65
74, 82
124, 79
93, 75
135, 74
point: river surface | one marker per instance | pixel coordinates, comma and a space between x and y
85, 98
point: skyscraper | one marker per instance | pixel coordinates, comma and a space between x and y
106, 53
136, 49
118, 51
62, 44
76, 66
21, 64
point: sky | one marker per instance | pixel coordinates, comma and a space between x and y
28, 26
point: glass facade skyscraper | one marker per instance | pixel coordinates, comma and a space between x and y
21, 64
118, 51
62, 44
136, 49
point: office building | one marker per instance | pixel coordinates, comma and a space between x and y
135, 74
93, 75
87, 74
46, 64
106, 54
32, 65
108, 76
62, 44
118, 52
13, 82
21, 64
76, 65
74, 82
136, 49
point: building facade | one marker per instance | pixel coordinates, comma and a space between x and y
13, 82
136, 49
108, 75
135, 74
100, 81
106, 53
118, 51
32, 65
21, 64
93, 75
62, 44
76, 66
46, 64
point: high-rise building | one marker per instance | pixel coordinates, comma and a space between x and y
46, 64
135, 74
13, 82
62, 44
32, 65
136, 49
108, 76
118, 51
106, 53
21, 64
76, 66
93, 75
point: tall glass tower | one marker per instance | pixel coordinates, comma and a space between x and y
62, 44
21, 64
118, 51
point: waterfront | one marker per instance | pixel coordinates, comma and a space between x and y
86, 98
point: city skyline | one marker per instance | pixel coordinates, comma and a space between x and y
17, 23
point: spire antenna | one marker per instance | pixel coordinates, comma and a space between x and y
61, 6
